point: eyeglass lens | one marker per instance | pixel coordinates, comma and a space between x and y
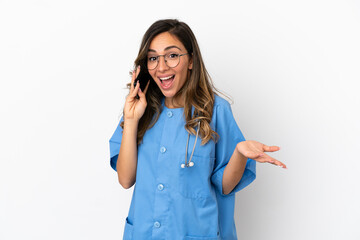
171, 60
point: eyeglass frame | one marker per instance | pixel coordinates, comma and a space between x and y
163, 55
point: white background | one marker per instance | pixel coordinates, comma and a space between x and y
291, 67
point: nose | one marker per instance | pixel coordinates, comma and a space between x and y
162, 64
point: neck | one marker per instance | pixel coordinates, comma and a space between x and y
172, 103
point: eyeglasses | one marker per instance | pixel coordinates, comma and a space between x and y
171, 60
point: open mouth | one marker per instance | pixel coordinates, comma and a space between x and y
166, 82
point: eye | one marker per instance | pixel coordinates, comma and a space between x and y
152, 59
173, 55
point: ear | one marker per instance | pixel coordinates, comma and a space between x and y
190, 62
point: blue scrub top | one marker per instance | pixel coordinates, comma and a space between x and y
170, 202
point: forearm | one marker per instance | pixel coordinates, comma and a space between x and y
233, 171
127, 159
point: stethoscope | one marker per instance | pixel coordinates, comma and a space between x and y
190, 163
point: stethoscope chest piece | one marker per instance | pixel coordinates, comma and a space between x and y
188, 165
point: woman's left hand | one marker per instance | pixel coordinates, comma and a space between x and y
256, 151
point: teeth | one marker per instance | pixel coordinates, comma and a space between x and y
166, 78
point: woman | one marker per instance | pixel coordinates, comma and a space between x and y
178, 140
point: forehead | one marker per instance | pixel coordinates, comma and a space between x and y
164, 40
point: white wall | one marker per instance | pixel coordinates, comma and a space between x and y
292, 68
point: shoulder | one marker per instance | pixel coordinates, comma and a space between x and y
222, 111
221, 103
224, 119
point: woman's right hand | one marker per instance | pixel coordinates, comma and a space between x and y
135, 108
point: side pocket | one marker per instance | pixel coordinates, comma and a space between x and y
128, 230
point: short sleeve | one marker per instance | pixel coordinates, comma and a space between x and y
115, 142
230, 135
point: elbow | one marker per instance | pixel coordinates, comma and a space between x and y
126, 184
226, 191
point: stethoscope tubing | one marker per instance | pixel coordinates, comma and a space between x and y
190, 163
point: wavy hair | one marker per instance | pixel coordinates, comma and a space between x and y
198, 90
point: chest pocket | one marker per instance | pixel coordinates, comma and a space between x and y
194, 182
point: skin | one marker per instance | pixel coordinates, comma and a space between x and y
135, 108
159, 46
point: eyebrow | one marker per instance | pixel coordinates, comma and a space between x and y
167, 48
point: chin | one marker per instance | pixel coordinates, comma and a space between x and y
168, 94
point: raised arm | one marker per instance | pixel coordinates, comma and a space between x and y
133, 111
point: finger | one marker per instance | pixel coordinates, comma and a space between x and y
264, 158
254, 155
136, 89
142, 96
133, 77
278, 163
135, 73
147, 86
270, 148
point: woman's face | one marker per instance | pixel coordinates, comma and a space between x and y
169, 80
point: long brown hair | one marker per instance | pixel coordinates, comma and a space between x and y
198, 90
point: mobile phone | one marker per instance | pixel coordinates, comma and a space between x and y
143, 78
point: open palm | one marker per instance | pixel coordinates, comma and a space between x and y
256, 151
